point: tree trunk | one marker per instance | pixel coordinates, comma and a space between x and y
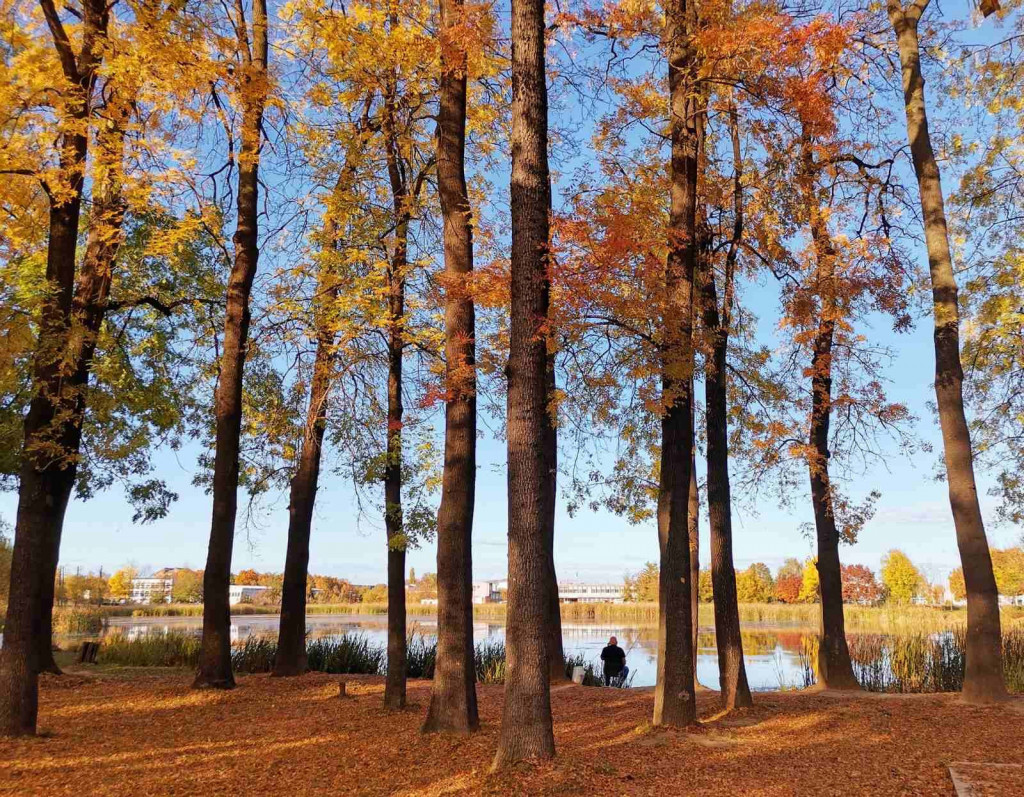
453, 706
735, 691
674, 698
214, 669
526, 729
553, 619
835, 670
394, 687
693, 530
59, 376
983, 681
290, 658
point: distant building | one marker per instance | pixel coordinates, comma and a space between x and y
580, 592
568, 592
240, 593
489, 591
155, 588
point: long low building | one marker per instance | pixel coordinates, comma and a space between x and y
568, 592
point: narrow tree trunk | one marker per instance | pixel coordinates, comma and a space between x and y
214, 669
453, 706
693, 529
674, 697
835, 670
553, 619
735, 691
526, 729
290, 658
984, 680
46, 480
394, 687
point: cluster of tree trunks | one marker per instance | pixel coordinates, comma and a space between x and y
69, 325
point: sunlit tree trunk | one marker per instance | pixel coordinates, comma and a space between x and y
735, 690
674, 697
60, 372
984, 680
215, 655
453, 705
835, 670
526, 729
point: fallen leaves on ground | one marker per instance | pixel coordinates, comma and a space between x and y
155, 735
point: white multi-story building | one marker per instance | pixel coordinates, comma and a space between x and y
155, 588
239, 593
489, 591
580, 592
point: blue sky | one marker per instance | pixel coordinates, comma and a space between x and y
912, 514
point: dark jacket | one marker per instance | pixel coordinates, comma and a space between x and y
614, 659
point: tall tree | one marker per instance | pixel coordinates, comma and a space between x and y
835, 670
52, 427
526, 728
674, 696
983, 681
453, 704
214, 669
717, 317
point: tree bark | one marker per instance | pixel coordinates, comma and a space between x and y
214, 669
735, 691
61, 364
984, 680
453, 706
835, 670
674, 697
526, 728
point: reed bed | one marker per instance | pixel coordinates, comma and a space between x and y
347, 654
78, 620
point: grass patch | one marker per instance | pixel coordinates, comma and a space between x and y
78, 620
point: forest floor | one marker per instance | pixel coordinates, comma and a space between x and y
119, 731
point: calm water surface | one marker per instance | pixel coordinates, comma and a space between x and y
772, 655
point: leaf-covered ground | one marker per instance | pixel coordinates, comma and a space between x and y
135, 734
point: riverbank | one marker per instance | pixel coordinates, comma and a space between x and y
128, 733
881, 619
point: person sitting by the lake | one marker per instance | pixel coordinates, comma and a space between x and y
614, 659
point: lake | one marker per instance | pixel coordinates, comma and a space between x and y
772, 655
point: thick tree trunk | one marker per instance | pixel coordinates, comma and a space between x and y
984, 681
453, 706
60, 373
835, 670
526, 729
674, 698
214, 669
291, 639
